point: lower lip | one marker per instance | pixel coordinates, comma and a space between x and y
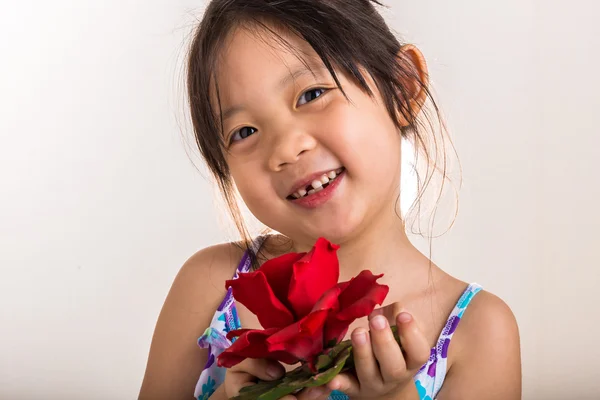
319, 198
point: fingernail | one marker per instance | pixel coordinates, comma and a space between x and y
360, 337
379, 322
404, 317
315, 393
334, 385
273, 371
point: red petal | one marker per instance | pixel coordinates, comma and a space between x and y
302, 347
338, 324
314, 274
358, 287
236, 333
310, 325
314, 323
252, 344
303, 339
344, 285
358, 300
252, 290
329, 301
249, 344
278, 272
365, 305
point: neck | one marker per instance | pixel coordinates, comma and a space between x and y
383, 248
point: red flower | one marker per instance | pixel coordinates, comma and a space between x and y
303, 309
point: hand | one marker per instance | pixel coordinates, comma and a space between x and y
382, 369
245, 374
316, 393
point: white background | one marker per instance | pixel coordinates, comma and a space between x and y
100, 204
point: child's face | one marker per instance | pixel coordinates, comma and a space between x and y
284, 129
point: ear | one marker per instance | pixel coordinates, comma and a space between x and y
415, 80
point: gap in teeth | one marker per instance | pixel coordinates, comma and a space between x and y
318, 184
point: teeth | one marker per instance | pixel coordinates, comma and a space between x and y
317, 184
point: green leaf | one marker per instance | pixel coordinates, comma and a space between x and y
294, 381
323, 361
325, 377
329, 364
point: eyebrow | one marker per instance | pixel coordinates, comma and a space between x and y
285, 81
231, 111
291, 77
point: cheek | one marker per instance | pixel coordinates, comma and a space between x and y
248, 181
252, 188
256, 192
342, 129
360, 133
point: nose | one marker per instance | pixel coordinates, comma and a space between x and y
287, 148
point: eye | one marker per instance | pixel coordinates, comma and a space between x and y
242, 133
310, 95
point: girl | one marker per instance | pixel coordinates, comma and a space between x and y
301, 106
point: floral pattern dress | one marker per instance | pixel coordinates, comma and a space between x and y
428, 380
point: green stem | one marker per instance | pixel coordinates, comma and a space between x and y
332, 362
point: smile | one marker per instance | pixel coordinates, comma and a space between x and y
317, 185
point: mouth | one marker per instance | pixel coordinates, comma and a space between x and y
316, 184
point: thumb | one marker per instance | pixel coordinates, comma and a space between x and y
315, 393
346, 383
266, 370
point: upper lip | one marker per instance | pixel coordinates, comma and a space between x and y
304, 182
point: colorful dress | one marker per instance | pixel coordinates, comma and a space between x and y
428, 380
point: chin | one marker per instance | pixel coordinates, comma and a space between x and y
335, 228
342, 233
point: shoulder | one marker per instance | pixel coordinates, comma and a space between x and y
486, 352
175, 360
487, 319
199, 286
200, 282
210, 267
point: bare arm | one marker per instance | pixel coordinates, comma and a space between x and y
488, 360
175, 360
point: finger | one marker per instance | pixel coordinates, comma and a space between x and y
245, 374
414, 343
376, 312
235, 381
390, 311
387, 351
315, 393
346, 383
266, 370
365, 364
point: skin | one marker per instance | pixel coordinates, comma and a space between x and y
290, 139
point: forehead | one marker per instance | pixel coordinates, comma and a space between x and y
258, 57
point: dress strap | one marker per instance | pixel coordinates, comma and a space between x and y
455, 317
432, 375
